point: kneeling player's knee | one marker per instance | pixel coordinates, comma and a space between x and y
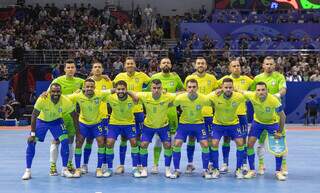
144, 144
167, 145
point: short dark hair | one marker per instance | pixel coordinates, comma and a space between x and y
89, 80
261, 83
156, 81
55, 84
69, 61
227, 80
121, 82
192, 81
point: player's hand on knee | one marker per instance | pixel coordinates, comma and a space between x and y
277, 135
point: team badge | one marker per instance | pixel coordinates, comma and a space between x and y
137, 80
234, 104
96, 101
209, 82
273, 83
104, 87
129, 105
242, 81
161, 103
60, 110
268, 109
171, 83
198, 107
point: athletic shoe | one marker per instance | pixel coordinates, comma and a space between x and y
70, 166
143, 172
26, 175
84, 169
120, 169
261, 169
251, 174
245, 168
206, 174
190, 168
239, 174
77, 173
176, 174
168, 172
280, 176
99, 173
284, 169
107, 173
224, 169
104, 167
215, 174
136, 173
66, 173
53, 169
155, 170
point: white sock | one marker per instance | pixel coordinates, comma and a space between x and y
157, 142
28, 170
260, 151
54, 151
71, 152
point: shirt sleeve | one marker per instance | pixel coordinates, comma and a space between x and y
179, 83
39, 104
282, 82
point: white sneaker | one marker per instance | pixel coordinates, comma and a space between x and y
143, 172
26, 175
224, 168
206, 174
84, 169
107, 173
215, 174
120, 169
66, 173
245, 168
137, 174
280, 176
168, 172
176, 174
190, 168
104, 167
155, 170
261, 169
239, 174
99, 173
250, 174
77, 173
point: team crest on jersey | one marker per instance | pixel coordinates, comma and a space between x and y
96, 101
209, 82
268, 109
242, 81
129, 105
171, 83
273, 83
60, 110
161, 103
198, 107
104, 87
137, 80
234, 104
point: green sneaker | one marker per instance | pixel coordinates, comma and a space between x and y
70, 167
53, 169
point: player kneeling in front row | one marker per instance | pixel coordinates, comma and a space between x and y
191, 124
269, 116
47, 115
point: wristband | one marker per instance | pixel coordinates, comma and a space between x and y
32, 134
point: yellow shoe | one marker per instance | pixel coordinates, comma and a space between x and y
53, 169
120, 169
284, 169
280, 176
77, 173
99, 173
70, 167
251, 174
261, 169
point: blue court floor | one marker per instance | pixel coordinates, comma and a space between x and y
303, 164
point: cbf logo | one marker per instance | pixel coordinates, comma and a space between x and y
137, 80
198, 107
209, 82
242, 81
161, 103
104, 87
273, 83
60, 110
268, 109
233, 104
129, 105
96, 101
171, 83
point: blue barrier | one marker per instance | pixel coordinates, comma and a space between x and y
4, 85
41, 86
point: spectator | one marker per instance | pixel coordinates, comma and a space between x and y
4, 75
315, 76
118, 66
5, 111
294, 77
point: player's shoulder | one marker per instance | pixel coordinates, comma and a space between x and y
259, 76
121, 75
225, 76
210, 76
65, 99
238, 95
277, 74
273, 99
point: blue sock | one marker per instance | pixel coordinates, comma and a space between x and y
31, 149
278, 163
122, 152
190, 151
64, 152
144, 157
240, 151
251, 156
167, 157
101, 155
109, 157
135, 156
245, 155
225, 152
215, 156
87, 153
77, 157
210, 155
176, 157
205, 158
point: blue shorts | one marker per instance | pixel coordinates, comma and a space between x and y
148, 133
232, 131
196, 130
257, 129
92, 131
208, 123
56, 128
127, 131
139, 118
243, 122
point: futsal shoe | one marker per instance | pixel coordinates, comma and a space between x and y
66, 173
251, 174
190, 168
206, 174
84, 169
155, 170
284, 169
104, 167
168, 172
280, 176
239, 173
26, 175
107, 173
77, 173
99, 173
215, 174
261, 169
53, 169
120, 169
245, 168
176, 174
70, 167
143, 172
224, 169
